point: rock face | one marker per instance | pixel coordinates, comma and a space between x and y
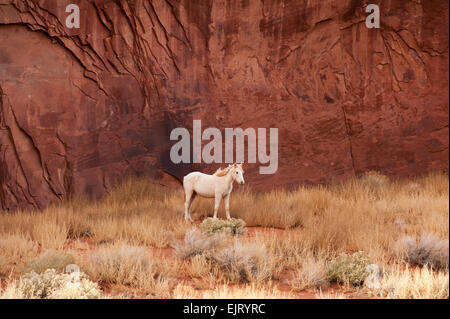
80, 109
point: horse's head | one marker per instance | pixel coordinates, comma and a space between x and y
238, 173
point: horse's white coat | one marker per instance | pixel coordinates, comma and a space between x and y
205, 185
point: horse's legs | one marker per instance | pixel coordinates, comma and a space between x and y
217, 199
227, 206
187, 204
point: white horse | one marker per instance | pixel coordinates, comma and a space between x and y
219, 185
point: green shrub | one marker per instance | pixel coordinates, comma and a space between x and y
49, 260
348, 269
52, 285
234, 226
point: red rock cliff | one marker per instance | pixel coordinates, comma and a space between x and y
82, 108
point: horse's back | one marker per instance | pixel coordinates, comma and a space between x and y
193, 176
190, 179
201, 183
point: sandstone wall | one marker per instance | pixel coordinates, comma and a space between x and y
80, 109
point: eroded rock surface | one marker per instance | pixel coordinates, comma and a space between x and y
80, 109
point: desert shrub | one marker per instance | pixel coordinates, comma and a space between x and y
244, 262
312, 274
348, 269
52, 285
234, 226
427, 249
197, 243
49, 259
127, 265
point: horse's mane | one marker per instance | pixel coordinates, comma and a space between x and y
222, 171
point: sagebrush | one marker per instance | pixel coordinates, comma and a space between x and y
52, 285
245, 262
234, 226
428, 249
197, 243
348, 269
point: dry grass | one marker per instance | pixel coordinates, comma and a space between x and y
137, 212
354, 215
252, 291
329, 295
50, 234
415, 283
310, 226
14, 250
199, 266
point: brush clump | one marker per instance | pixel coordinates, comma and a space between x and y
348, 269
52, 285
428, 249
234, 226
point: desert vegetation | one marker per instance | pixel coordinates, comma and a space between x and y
312, 242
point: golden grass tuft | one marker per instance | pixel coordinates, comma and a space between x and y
415, 283
14, 250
